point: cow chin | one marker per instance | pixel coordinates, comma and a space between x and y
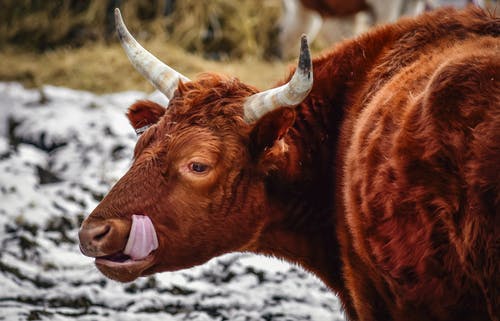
124, 272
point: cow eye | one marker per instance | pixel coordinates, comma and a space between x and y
198, 167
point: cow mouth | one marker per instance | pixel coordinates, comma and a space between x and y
122, 268
120, 260
118, 257
142, 242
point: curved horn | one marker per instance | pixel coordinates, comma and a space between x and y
290, 94
164, 78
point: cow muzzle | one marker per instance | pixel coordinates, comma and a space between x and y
122, 249
108, 237
103, 237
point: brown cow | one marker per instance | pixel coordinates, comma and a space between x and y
384, 181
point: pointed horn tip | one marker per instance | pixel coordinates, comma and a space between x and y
303, 40
118, 14
121, 29
305, 63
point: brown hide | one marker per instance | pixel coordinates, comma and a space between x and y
384, 181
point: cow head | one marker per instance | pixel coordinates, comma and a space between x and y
196, 187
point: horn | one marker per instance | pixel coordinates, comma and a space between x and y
164, 78
290, 94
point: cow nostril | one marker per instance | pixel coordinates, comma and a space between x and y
93, 234
103, 233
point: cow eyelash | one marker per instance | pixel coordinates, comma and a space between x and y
198, 168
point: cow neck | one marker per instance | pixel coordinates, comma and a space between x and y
306, 209
301, 228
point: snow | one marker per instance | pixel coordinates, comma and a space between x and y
60, 152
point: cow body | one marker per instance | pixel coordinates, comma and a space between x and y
384, 181
421, 181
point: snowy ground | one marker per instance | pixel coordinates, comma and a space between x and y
60, 151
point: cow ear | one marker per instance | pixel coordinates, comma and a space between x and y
144, 113
266, 141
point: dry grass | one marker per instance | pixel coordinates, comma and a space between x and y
72, 43
42, 25
100, 68
224, 29
219, 29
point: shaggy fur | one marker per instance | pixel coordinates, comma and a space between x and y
384, 182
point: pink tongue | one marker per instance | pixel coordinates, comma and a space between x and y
142, 238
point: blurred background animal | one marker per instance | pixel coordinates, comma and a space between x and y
335, 20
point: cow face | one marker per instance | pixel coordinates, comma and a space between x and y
195, 176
